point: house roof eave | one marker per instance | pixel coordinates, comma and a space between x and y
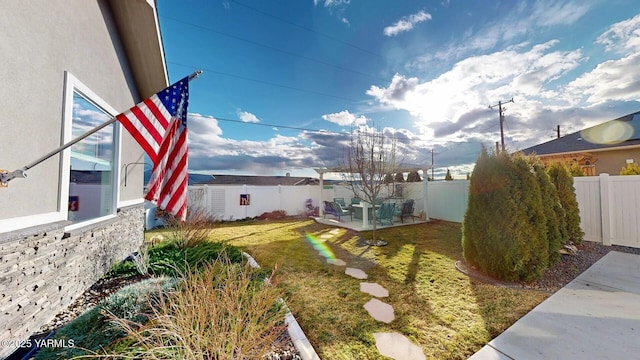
137, 22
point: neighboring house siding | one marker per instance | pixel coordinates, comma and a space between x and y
611, 162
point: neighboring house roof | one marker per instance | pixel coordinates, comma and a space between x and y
606, 136
137, 23
259, 180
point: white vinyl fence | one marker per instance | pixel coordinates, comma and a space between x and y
609, 205
446, 199
232, 202
610, 208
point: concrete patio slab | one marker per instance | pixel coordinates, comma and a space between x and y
374, 289
397, 346
356, 273
596, 316
379, 310
357, 224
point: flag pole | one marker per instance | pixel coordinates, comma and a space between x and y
6, 176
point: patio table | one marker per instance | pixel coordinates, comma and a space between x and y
363, 211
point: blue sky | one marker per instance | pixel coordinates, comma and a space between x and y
285, 80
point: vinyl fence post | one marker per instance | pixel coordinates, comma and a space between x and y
606, 204
425, 190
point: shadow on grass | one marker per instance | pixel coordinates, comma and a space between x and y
436, 306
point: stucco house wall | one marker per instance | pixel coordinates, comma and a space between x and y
114, 49
612, 161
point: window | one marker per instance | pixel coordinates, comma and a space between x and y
92, 162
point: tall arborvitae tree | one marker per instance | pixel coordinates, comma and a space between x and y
413, 176
563, 181
504, 229
556, 227
448, 176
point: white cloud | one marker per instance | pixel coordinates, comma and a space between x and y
555, 12
521, 21
407, 23
623, 36
247, 116
331, 3
455, 103
345, 118
609, 81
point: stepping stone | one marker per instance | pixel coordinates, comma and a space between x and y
334, 231
374, 289
336, 262
397, 346
326, 236
379, 310
356, 273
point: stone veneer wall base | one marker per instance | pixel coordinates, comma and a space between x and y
44, 269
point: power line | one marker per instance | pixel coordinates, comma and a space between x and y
273, 125
273, 48
237, 121
264, 82
309, 29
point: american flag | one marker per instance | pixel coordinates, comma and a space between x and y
159, 125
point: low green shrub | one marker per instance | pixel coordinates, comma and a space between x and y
94, 329
170, 260
630, 169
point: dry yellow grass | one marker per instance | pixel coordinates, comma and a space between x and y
436, 307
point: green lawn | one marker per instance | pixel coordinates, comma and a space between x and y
436, 307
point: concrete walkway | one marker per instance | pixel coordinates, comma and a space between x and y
596, 316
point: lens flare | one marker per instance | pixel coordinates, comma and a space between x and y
612, 132
322, 248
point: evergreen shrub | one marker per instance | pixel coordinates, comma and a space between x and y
505, 227
630, 169
563, 182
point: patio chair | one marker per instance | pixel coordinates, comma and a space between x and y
340, 201
385, 213
343, 211
335, 209
406, 210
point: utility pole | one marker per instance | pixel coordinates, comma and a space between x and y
432, 179
558, 131
501, 111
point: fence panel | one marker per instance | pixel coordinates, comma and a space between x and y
625, 210
447, 200
587, 190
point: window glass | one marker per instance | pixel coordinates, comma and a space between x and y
91, 180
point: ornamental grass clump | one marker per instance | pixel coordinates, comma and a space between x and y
194, 230
222, 311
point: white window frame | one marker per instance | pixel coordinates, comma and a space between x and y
72, 84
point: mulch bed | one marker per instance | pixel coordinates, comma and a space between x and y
559, 274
